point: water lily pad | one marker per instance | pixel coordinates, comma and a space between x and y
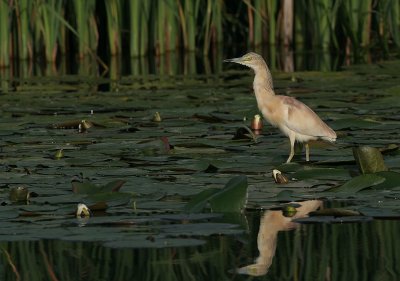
359, 183
232, 198
90, 188
354, 123
335, 212
200, 229
198, 203
392, 180
229, 199
369, 159
332, 219
321, 174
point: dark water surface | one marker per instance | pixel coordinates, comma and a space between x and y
349, 251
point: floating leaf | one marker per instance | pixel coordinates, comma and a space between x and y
113, 186
332, 219
87, 187
359, 183
352, 123
199, 202
369, 159
232, 198
335, 212
67, 125
322, 173
76, 124
389, 148
285, 196
379, 212
102, 201
84, 187
392, 180
229, 199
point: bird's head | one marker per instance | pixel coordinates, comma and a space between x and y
251, 60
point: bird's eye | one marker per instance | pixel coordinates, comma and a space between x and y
248, 58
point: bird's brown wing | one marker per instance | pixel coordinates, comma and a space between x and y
303, 120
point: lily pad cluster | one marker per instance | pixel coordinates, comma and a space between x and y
187, 145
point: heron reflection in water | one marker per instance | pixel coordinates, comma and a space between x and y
270, 224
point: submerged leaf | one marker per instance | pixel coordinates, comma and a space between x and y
369, 159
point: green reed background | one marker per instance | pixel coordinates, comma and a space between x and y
48, 29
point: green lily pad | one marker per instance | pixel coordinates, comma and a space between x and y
232, 198
392, 180
198, 203
322, 174
332, 219
335, 212
359, 183
353, 123
90, 188
369, 159
229, 199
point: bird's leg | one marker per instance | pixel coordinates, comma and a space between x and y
307, 152
292, 139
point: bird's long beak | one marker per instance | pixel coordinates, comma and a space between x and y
237, 60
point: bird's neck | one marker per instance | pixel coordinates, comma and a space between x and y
262, 85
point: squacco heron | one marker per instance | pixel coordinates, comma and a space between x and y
295, 119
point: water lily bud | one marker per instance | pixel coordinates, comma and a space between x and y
59, 154
157, 117
84, 125
83, 211
279, 177
18, 194
257, 123
289, 211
